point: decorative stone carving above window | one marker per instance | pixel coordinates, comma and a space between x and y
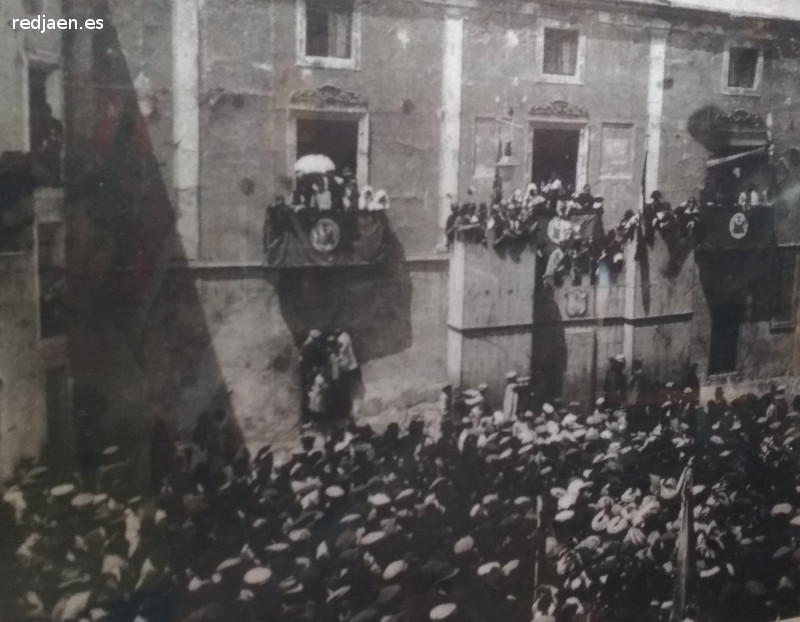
559, 109
737, 120
328, 97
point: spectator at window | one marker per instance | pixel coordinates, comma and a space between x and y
585, 198
365, 200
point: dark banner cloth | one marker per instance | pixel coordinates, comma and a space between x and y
731, 229
552, 230
737, 251
326, 238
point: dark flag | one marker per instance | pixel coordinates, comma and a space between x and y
644, 177
497, 186
684, 562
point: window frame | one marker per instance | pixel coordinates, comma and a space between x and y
580, 62
629, 176
352, 63
778, 323
544, 123
755, 90
479, 119
363, 146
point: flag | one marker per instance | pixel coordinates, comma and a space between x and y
644, 177
497, 185
684, 562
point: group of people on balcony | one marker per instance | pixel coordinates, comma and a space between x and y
322, 195
326, 192
576, 251
516, 217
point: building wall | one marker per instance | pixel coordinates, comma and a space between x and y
22, 407
23, 356
695, 74
222, 324
501, 71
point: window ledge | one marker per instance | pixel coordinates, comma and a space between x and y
328, 62
741, 92
781, 326
553, 78
725, 377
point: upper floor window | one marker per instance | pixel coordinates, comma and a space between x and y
785, 289
561, 52
742, 69
328, 34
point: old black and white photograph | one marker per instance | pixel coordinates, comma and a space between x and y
400, 311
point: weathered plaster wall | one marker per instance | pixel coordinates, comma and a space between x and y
246, 341
501, 72
225, 330
22, 407
246, 84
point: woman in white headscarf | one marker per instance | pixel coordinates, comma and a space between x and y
365, 199
381, 202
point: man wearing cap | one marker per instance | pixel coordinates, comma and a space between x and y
278, 221
313, 358
638, 397
778, 408
615, 385
510, 396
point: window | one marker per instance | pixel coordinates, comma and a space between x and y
329, 28
45, 132
742, 69
337, 139
560, 52
328, 34
725, 322
486, 148
52, 279
555, 153
616, 161
783, 311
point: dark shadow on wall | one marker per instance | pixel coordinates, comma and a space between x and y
371, 302
549, 360
137, 334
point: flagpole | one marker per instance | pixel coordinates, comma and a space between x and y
684, 562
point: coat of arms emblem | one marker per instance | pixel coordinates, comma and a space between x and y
325, 235
577, 302
738, 226
559, 230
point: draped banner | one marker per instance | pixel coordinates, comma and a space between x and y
325, 238
737, 250
727, 228
553, 231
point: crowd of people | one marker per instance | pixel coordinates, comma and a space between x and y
514, 508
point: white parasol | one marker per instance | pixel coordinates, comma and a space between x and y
314, 163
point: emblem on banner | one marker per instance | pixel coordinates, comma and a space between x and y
738, 226
577, 302
559, 230
325, 235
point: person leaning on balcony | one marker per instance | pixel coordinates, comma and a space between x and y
585, 198
365, 200
451, 224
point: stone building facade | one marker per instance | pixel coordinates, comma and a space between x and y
227, 94
34, 376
